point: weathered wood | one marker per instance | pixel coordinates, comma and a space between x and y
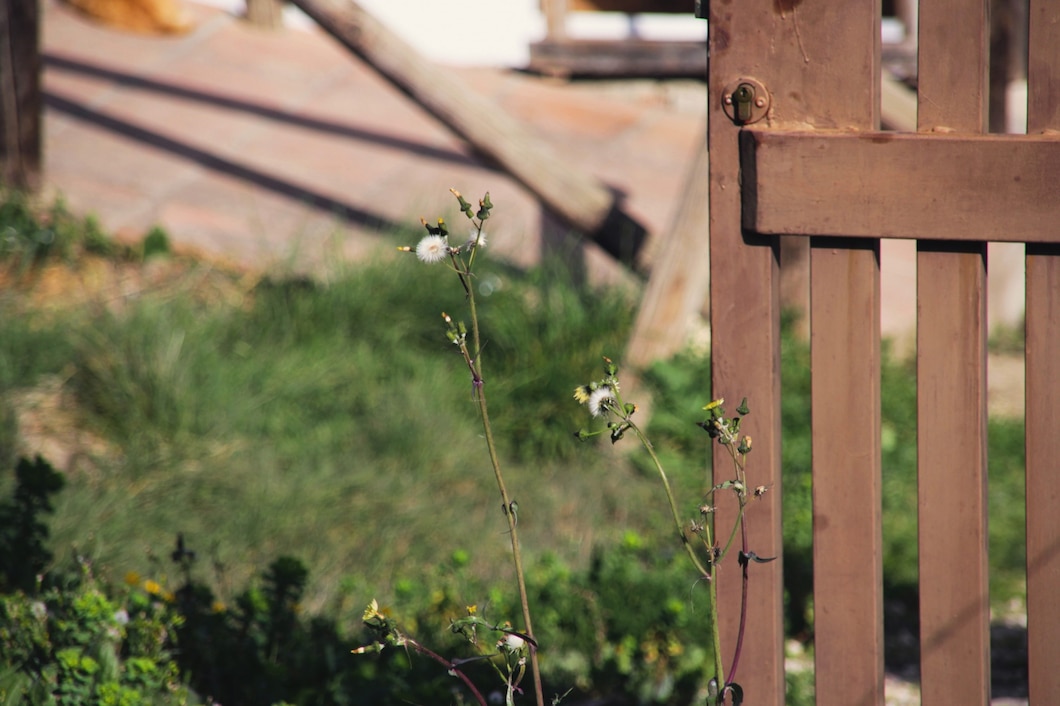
896, 185
625, 58
267, 14
951, 477
745, 356
678, 286
576, 197
847, 499
1043, 386
20, 94
951, 375
633, 6
847, 539
845, 394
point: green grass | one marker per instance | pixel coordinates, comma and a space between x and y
334, 422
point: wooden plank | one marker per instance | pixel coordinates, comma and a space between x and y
745, 361
847, 501
1043, 472
578, 198
951, 479
897, 185
624, 58
1043, 386
951, 380
678, 285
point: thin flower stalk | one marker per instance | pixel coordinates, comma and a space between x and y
462, 260
603, 399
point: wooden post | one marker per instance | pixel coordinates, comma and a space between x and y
578, 198
20, 95
267, 14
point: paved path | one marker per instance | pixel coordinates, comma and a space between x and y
265, 146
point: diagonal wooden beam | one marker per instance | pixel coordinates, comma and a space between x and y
898, 185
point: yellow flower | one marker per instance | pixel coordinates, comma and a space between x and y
472, 609
218, 607
716, 403
372, 611
581, 393
152, 587
132, 579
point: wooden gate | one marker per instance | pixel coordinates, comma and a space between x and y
795, 150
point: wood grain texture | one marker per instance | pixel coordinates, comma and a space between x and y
847, 501
902, 185
1043, 385
951, 382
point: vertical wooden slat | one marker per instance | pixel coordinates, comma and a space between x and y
745, 360
847, 536
845, 362
951, 383
819, 64
1043, 386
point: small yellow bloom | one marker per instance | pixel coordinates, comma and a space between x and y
472, 609
372, 611
581, 393
716, 403
152, 587
132, 579
218, 607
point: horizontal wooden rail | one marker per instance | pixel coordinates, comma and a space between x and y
899, 185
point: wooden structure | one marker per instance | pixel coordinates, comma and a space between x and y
796, 150
20, 94
559, 54
581, 200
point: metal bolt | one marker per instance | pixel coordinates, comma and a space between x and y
728, 99
760, 102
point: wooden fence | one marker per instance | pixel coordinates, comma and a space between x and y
796, 151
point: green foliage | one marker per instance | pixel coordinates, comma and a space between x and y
30, 233
23, 554
687, 376
78, 643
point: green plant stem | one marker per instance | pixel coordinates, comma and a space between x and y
710, 576
715, 632
509, 511
673, 503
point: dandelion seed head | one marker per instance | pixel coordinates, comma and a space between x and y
477, 239
599, 400
433, 248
